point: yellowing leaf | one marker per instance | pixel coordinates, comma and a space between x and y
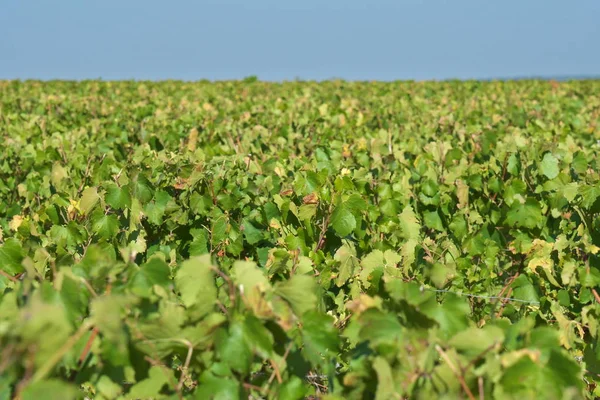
363, 303
58, 174
409, 224
16, 222
567, 334
511, 358
253, 286
541, 257
408, 253
346, 256
192, 139
462, 193
89, 199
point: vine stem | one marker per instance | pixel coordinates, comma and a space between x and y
95, 331
188, 359
596, 296
508, 290
326, 220
159, 364
232, 296
458, 375
9, 276
56, 357
276, 372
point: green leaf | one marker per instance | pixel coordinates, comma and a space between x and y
151, 387
292, 389
524, 290
89, 199
549, 166
99, 261
346, 256
217, 388
355, 204
219, 230
11, 256
408, 252
199, 244
105, 226
533, 379
379, 327
6, 387
43, 312
154, 213
474, 341
440, 274
59, 173
253, 283
259, 338
409, 224
118, 197
320, 336
545, 337
589, 277
162, 331
108, 388
563, 298
307, 212
432, 220
106, 312
589, 195
451, 315
373, 260
74, 298
142, 189
156, 209
385, 379
154, 272
527, 215
233, 348
194, 281
252, 234
408, 291
63, 236
300, 292
248, 275
343, 221
370, 263
50, 389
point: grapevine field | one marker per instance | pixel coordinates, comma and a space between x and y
299, 240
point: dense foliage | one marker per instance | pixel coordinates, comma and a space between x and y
340, 240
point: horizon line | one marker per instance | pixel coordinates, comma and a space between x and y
255, 78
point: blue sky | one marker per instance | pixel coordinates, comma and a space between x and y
310, 39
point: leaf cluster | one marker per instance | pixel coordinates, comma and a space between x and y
338, 240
